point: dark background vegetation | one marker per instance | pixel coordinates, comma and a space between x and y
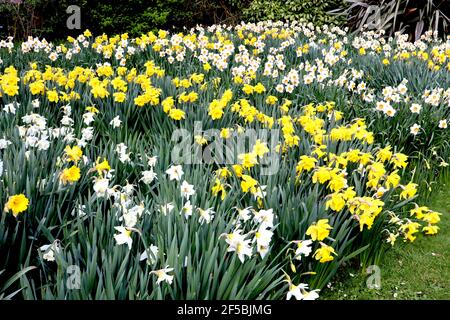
39, 17
22, 18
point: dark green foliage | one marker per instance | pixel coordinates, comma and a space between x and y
48, 18
108, 16
315, 11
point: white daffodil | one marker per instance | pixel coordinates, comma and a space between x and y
279, 88
244, 214
187, 189
87, 134
441, 164
148, 176
238, 244
262, 250
415, 108
79, 210
101, 187
311, 295
35, 103
53, 56
151, 161
130, 219
121, 150
443, 124
392, 237
303, 248
123, 199
10, 108
116, 122
88, 118
296, 291
264, 217
390, 111
233, 238
163, 275
415, 129
123, 237
165, 209
43, 144
187, 209
50, 250
67, 109
175, 172
67, 121
205, 215
4, 143
263, 237
137, 210
260, 192
242, 249
128, 188
382, 105
153, 254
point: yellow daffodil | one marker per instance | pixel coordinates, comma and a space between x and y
319, 230
17, 204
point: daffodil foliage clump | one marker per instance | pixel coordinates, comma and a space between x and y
97, 206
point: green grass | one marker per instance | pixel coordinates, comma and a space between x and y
420, 270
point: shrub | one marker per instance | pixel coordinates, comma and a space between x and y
305, 11
48, 18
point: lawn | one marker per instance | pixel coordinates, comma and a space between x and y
415, 271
